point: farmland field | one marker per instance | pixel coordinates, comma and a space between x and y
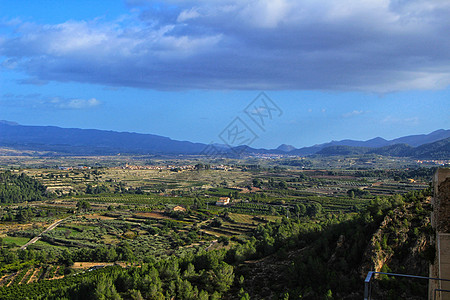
127, 216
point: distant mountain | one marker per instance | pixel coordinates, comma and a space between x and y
412, 140
90, 141
375, 142
285, 148
8, 122
435, 150
420, 139
343, 150
307, 150
74, 141
394, 150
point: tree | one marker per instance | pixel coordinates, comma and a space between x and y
357, 192
300, 209
314, 209
216, 222
136, 295
83, 205
257, 183
224, 240
282, 185
89, 189
198, 204
221, 277
272, 210
105, 289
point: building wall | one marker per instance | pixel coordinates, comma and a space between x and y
440, 220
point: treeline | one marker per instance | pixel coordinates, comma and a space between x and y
326, 258
204, 275
417, 173
19, 188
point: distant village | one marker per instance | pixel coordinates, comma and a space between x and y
172, 167
439, 162
74, 168
175, 168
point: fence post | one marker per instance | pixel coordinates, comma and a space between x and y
367, 286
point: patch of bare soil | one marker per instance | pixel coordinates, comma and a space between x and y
3, 279
100, 217
87, 265
25, 276
333, 177
155, 215
56, 277
11, 278
55, 273
6, 227
33, 277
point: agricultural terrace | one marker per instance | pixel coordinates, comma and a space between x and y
121, 216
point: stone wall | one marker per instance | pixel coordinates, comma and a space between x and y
440, 220
443, 219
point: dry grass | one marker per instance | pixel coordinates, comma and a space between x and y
154, 215
87, 265
99, 217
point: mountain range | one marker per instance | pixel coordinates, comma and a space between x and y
378, 142
436, 150
74, 141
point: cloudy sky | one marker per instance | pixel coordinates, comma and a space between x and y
329, 69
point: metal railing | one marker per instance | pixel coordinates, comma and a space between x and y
368, 286
439, 290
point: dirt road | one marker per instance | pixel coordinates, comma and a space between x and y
37, 238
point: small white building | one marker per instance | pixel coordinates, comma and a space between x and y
179, 208
223, 201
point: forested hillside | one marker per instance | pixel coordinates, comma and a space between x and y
19, 188
435, 150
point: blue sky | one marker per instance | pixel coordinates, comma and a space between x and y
186, 69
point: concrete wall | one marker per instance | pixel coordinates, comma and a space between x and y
440, 220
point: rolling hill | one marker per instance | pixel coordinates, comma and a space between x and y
75, 141
435, 150
378, 142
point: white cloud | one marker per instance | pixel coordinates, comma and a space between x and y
188, 14
79, 103
369, 45
266, 14
400, 121
353, 113
39, 101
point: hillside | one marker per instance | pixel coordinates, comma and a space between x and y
76, 141
73, 141
435, 150
378, 142
325, 256
331, 261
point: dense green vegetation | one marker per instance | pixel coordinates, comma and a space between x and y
19, 188
287, 234
324, 255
